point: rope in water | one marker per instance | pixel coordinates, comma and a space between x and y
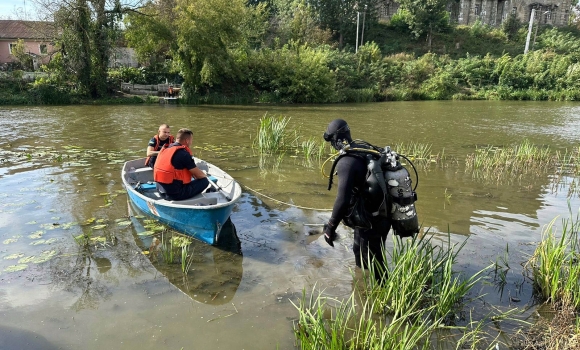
285, 203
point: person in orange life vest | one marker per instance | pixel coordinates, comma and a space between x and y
157, 142
170, 91
175, 167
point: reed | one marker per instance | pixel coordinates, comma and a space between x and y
310, 149
420, 296
434, 284
554, 267
273, 136
497, 163
419, 153
186, 259
324, 323
167, 250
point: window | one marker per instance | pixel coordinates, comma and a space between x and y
12, 46
514, 10
43, 50
477, 9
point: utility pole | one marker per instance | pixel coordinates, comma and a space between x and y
357, 20
363, 26
530, 27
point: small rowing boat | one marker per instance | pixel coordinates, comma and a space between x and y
201, 217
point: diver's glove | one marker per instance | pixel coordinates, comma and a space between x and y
329, 231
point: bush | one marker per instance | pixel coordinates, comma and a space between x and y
510, 26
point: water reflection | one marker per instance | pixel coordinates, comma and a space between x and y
216, 271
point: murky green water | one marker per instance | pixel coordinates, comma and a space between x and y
50, 191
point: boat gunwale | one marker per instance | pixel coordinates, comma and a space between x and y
166, 203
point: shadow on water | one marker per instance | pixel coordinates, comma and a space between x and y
216, 271
16, 339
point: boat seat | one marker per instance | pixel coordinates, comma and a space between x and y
198, 201
142, 175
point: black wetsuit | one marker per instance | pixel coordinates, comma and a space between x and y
352, 171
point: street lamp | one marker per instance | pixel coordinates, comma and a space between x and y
530, 27
363, 26
357, 27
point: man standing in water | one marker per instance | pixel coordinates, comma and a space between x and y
175, 167
369, 234
157, 142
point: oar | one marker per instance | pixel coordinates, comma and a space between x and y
219, 188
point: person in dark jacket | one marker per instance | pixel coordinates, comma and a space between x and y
369, 241
175, 168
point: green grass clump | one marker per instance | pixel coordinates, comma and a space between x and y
434, 289
554, 266
495, 163
273, 136
422, 294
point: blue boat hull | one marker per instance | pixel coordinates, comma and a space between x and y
204, 224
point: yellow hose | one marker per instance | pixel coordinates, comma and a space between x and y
364, 150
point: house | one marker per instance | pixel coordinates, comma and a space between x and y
494, 12
36, 36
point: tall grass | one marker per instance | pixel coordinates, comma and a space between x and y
349, 326
421, 295
419, 153
554, 266
272, 136
495, 163
434, 285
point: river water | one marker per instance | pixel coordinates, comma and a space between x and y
60, 177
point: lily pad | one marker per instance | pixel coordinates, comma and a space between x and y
26, 260
10, 240
98, 227
33, 222
15, 268
68, 225
44, 256
40, 241
146, 233
99, 239
36, 234
124, 223
14, 256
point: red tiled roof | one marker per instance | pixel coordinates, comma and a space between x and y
10, 29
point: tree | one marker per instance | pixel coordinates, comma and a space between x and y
298, 23
151, 31
425, 16
21, 55
85, 32
510, 26
340, 16
207, 31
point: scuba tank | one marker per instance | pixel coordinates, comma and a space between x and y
401, 195
389, 186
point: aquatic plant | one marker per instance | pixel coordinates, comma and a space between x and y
272, 136
309, 148
349, 326
554, 267
186, 259
497, 163
419, 153
434, 284
422, 294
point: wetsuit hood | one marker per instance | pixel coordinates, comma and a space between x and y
338, 133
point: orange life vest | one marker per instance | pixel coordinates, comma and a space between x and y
164, 172
157, 147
